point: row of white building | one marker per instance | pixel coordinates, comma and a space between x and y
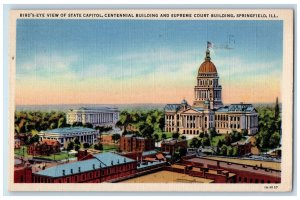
101, 116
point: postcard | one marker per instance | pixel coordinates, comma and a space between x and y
151, 100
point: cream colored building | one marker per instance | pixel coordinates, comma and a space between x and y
68, 134
208, 110
104, 116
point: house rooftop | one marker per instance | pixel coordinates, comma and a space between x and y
67, 130
237, 108
95, 109
101, 160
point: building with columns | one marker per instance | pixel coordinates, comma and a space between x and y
102, 116
65, 135
207, 110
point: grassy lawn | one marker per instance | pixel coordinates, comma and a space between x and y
19, 152
58, 156
108, 147
168, 135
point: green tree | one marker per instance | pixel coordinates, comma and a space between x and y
61, 122
115, 137
244, 132
234, 151
201, 135
274, 140
77, 124
195, 143
183, 137
235, 136
98, 146
33, 139
175, 135
70, 146
163, 136
212, 132
220, 143
86, 145
205, 141
223, 150
276, 115
229, 151
76, 141
227, 139
146, 130
77, 147
182, 152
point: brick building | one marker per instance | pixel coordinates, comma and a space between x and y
245, 173
106, 139
132, 143
45, 147
243, 147
103, 167
214, 175
22, 172
172, 145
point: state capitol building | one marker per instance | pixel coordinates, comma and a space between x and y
208, 110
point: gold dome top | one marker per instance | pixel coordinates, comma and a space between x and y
207, 66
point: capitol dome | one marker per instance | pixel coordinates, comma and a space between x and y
207, 66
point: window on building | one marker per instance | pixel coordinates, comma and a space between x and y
256, 180
251, 180
245, 180
262, 181
240, 179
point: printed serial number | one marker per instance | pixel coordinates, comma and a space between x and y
271, 187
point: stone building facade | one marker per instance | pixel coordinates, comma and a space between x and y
104, 116
207, 110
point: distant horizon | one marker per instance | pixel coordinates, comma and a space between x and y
137, 106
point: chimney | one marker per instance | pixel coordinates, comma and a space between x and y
94, 166
118, 161
100, 165
63, 172
79, 169
124, 160
112, 162
71, 171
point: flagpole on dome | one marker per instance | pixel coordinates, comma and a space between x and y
207, 51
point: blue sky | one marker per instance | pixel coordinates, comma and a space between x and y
134, 61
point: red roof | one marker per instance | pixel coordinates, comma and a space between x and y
50, 142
